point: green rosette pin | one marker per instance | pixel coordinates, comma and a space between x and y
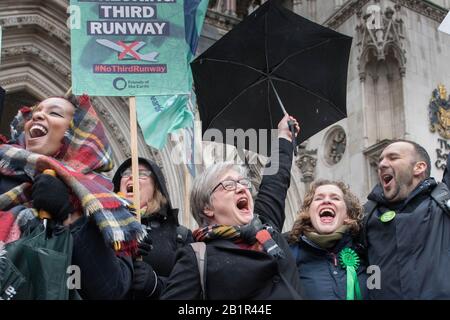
350, 261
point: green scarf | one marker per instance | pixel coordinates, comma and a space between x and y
327, 241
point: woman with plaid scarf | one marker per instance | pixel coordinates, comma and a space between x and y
66, 136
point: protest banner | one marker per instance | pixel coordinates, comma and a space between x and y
128, 48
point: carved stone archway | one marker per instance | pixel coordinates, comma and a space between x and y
380, 34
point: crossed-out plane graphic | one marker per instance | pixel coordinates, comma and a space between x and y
129, 49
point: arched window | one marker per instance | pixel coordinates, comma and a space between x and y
13, 102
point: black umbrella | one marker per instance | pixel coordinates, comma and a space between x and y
273, 60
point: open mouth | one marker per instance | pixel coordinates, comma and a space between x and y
386, 179
37, 131
327, 215
129, 188
243, 204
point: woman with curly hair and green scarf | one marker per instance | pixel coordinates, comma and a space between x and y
324, 243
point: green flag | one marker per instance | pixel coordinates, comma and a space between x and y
160, 115
128, 49
168, 115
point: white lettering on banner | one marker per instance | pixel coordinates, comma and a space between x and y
130, 12
127, 28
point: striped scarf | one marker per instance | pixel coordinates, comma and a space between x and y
253, 236
85, 150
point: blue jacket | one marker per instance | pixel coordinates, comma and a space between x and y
321, 276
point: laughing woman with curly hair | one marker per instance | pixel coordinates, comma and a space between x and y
324, 243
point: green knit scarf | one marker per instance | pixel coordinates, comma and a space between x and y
327, 241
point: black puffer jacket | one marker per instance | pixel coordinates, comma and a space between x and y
413, 249
320, 273
163, 227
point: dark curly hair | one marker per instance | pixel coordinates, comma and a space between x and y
303, 222
68, 97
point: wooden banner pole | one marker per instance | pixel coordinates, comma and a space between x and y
134, 158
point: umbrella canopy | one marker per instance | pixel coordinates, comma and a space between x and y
273, 51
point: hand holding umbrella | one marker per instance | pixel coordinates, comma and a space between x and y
288, 128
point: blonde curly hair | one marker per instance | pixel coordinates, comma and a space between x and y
303, 222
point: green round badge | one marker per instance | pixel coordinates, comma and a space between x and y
387, 216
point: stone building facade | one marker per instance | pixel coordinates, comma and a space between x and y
398, 59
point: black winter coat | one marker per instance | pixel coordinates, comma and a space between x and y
320, 273
413, 249
163, 227
236, 273
164, 230
104, 275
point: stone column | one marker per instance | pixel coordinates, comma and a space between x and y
230, 8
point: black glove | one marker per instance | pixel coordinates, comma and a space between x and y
145, 246
51, 194
145, 280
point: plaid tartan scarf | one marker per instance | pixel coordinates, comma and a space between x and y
85, 149
253, 236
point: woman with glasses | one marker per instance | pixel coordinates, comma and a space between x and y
165, 234
246, 256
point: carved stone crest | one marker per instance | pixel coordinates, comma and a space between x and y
335, 144
439, 112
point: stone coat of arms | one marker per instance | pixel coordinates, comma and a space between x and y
439, 112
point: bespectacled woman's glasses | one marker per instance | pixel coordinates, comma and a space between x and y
142, 173
231, 185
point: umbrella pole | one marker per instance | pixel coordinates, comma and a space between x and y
290, 122
134, 158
